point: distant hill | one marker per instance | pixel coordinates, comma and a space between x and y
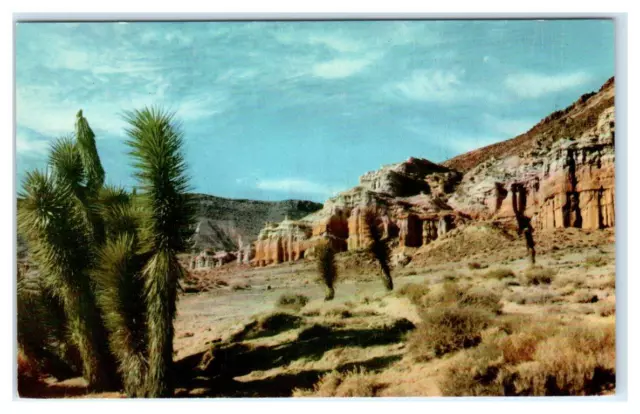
221, 222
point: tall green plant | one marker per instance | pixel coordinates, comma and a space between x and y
327, 271
109, 257
378, 247
156, 140
60, 244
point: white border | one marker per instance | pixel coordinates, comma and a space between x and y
124, 10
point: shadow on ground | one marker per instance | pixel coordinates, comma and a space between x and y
212, 373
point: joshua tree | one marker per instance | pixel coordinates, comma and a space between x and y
518, 203
378, 247
110, 257
327, 271
156, 142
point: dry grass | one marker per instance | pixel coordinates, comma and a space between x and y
567, 280
447, 329
292, 302
577, 360
338, 312
605, 309
476, 266
596, 261
414, 292
355, 383
538, 276
584, 296
606, 282
500, 273
530, 296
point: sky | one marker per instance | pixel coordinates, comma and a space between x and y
299, 110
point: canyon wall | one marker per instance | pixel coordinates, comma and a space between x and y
562, 172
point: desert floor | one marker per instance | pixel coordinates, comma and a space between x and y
234, 340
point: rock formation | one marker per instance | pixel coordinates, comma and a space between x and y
563, 169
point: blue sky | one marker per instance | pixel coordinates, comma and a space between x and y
278, 110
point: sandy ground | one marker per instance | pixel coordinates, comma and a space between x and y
364, 326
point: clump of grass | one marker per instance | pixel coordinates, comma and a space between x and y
447, 329
476, 266
568, 279
240, 286
500, 273
355, 383
606, 282
577, 360
414, 292
584, 296
595, 261
606, 309
533, 297
292, 301
341, 312
538, 276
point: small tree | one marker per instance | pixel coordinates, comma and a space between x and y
518, 203
327, 271
378, 247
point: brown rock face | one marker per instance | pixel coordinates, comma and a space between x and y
568, 181
563, 171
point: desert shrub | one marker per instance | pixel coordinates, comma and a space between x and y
584, 296
292, 301
606, 309
447, 329
500, 273
533, 297
240, 286
414, 292
565, 280
595, 261
606, 282
481, 297
449, 294
410, 273
341, 312
538, 276
355, 383
476, 266
577, 360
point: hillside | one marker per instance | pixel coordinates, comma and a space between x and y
569, 122
222, 222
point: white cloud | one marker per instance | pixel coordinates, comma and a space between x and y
340, 68
26, 145
339, 43
431, 85
534, 85
296, 185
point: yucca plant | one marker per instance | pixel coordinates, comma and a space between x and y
155, 141
327, 271
378, 247
108, 256
60, 243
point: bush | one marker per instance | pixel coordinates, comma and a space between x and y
538, 276
606, 309
341, 312
500, 273
595, 261
292, 301
585, 296
313, 332
414, 292
240, 286
533, 297
476, 266
356, 383
447, 329
267, 325
578, 360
